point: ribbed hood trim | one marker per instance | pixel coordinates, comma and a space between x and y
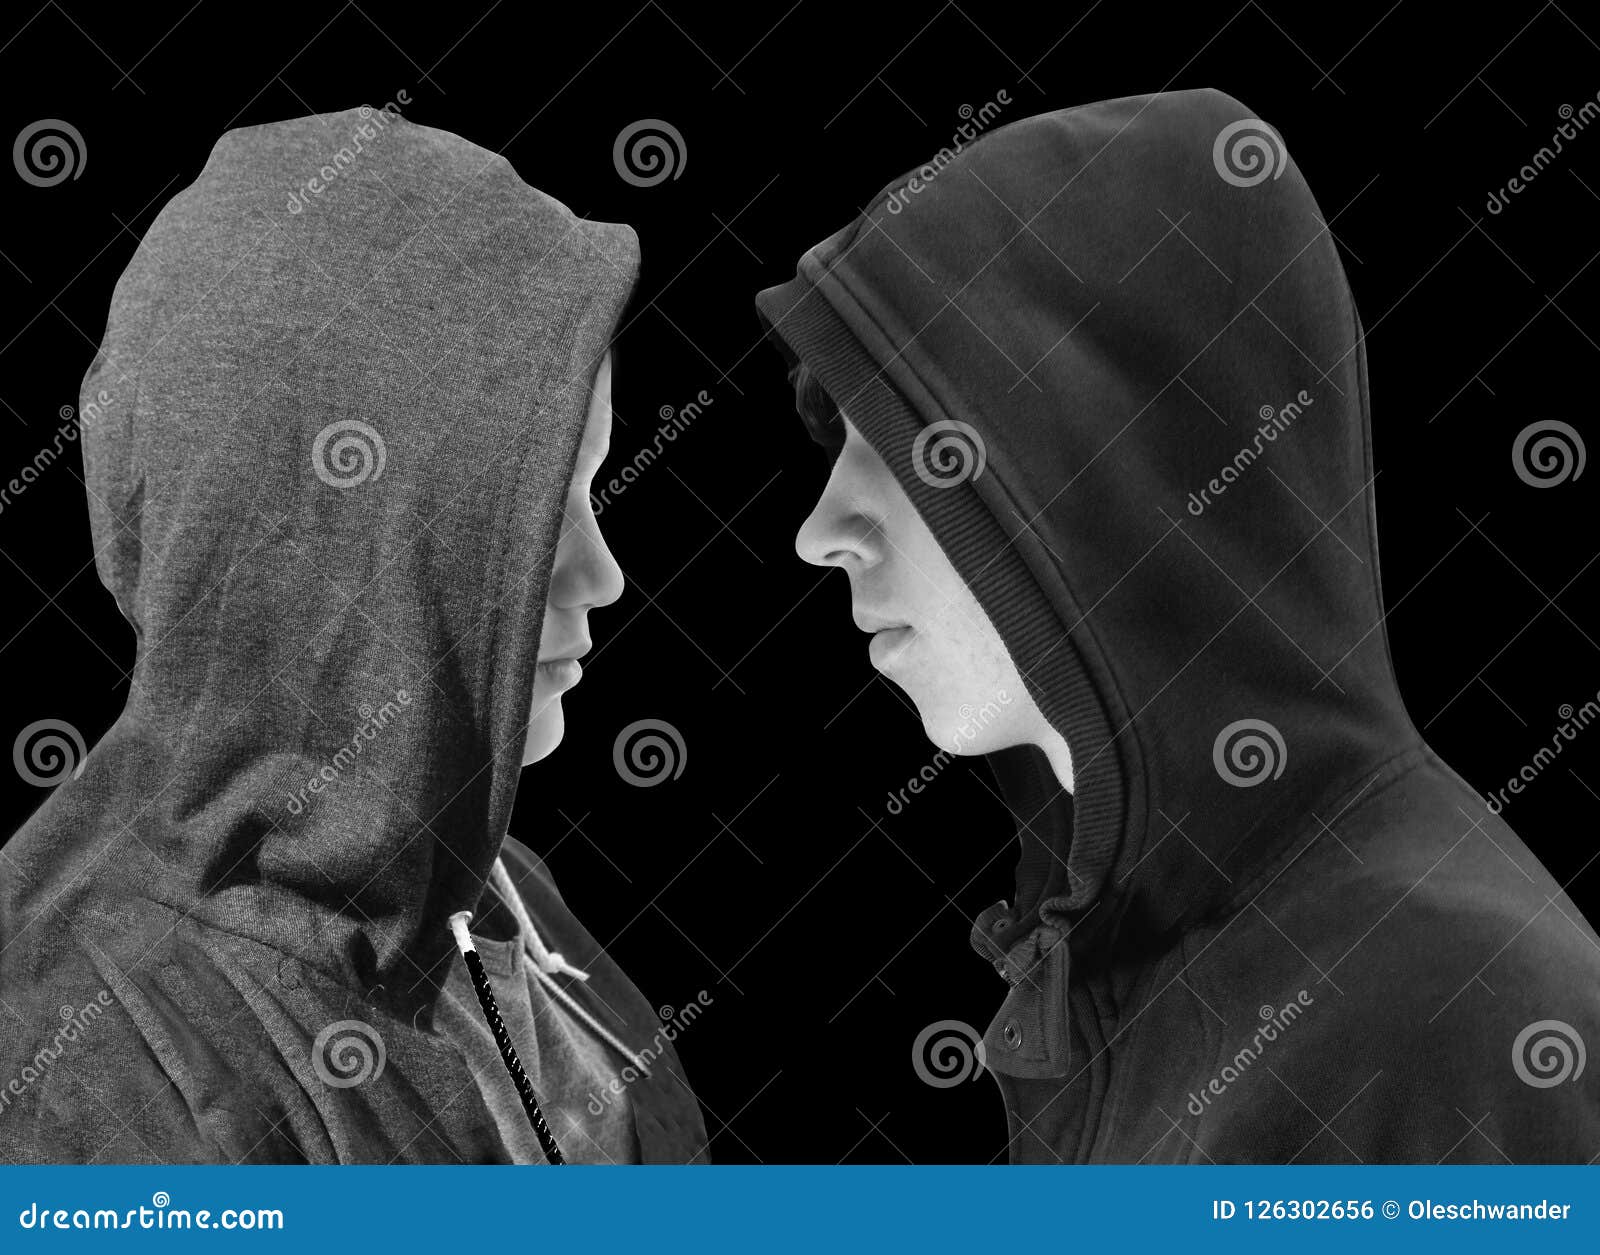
815, 318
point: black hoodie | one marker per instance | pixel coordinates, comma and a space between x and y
1270, 924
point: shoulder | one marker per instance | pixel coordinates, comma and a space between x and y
1457, 994
147, 1019
86, 1082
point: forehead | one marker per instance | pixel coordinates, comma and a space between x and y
861, 451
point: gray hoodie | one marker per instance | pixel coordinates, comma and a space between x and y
326, 442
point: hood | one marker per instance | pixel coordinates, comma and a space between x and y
327, 441
1132, 319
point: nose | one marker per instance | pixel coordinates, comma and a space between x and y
603, 581
837, 532
586, 572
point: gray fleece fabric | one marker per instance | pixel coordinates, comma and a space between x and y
326, 441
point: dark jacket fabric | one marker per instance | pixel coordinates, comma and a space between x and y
327, 442
1269, 924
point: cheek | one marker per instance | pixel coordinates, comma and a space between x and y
964, 669
925, 583
564, 567
967, 641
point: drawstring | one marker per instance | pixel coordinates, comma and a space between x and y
546, 959
547, 963
491, 1013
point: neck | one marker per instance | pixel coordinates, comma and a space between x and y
1054, 746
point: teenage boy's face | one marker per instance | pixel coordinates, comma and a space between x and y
929, 635
585, 575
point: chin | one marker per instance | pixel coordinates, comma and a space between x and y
545, 731
948, 738
942, 727
968, 728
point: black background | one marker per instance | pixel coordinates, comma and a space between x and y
827, 932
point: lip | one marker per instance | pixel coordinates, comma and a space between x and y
561, 673
869, 622
888, 642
